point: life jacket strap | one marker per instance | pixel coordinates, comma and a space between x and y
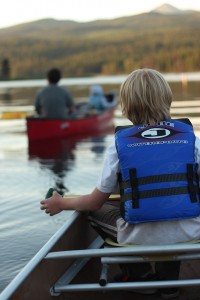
192, 188
190, 177
134, 186
154, 179
158, 193
197, 178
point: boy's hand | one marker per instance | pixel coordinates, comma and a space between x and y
52, 205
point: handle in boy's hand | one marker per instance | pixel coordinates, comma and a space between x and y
50, 193
51, 190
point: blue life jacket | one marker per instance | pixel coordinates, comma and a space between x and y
158, 175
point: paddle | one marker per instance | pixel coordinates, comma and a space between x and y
51, 190
50, 193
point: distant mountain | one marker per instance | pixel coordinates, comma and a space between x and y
167, 9
51, 29
167, 40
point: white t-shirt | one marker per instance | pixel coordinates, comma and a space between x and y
151, 233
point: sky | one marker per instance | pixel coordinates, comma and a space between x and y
15, 12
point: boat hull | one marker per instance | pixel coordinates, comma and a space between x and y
36, 280
38, 128
44, 273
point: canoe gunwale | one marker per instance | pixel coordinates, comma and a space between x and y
16, 282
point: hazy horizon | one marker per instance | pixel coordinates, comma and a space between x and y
16, 13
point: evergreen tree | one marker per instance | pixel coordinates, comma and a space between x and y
5, 69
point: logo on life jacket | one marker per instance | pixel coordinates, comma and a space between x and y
155, 133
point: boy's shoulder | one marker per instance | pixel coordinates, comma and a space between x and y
184, 120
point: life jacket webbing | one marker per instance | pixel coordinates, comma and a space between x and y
134, 186
158, 193
192, 188
153, 179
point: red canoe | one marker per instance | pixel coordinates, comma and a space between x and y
38, 128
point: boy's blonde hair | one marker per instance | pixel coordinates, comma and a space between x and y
145, 97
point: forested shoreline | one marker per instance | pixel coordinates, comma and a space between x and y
169, 43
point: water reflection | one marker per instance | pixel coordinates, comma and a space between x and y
98, 145
59, 155
6, 96
56, 155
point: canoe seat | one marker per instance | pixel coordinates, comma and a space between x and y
150, 258
178, 252
108, 253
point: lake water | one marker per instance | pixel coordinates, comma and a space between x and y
27, 173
